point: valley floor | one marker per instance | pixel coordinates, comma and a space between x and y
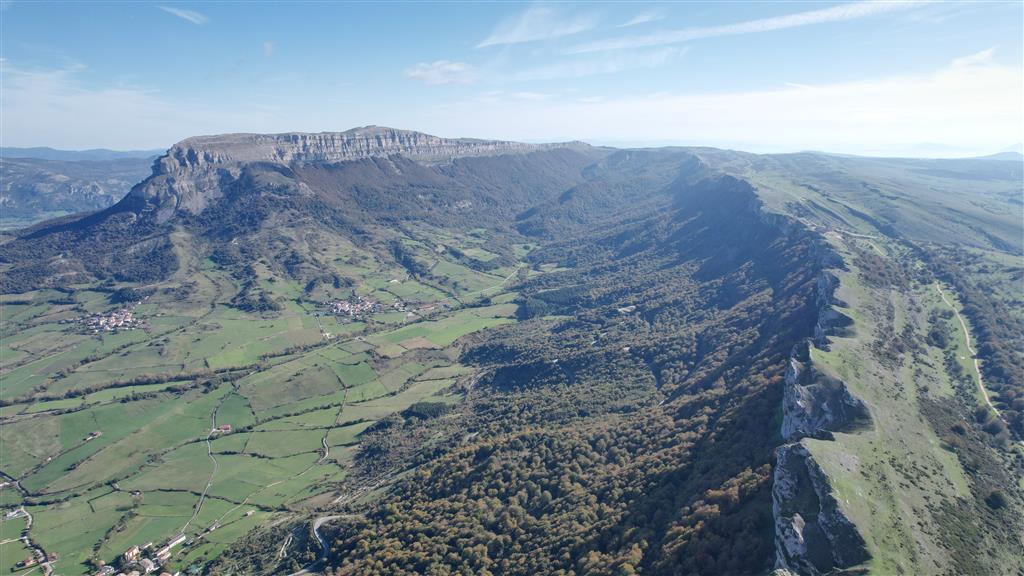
203, 420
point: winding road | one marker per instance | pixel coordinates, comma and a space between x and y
974, 356
320, 539
216, 465
37, 551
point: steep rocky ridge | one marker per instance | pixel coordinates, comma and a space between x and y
899, 476
194, 171
343, 183
813, 536
292, 147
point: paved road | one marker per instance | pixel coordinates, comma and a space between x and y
39, 553
323, 544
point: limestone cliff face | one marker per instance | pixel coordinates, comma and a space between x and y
353, 144
813, 536
196, 170
815, 404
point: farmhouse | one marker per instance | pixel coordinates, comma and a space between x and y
131, 555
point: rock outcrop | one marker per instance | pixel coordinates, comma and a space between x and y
354, 144
812, 534
831, 322
196, 170
815, 404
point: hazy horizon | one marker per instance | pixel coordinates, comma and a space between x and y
936, 151
923, 79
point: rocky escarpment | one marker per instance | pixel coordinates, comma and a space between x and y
195, 171
812, 534
289, 148
816, 404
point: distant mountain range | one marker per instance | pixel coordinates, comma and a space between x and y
94, 155
35, 189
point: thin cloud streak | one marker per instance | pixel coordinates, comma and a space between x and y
538, 23
839, 13
53, 107
643, 18
189, 15
972, 105
603, 65
441, 72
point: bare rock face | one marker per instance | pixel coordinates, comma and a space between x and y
353, 144
814, 404
830, 320
196, 170
812, 535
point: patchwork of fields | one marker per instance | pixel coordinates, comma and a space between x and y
208, 420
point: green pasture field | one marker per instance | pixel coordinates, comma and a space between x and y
141, 478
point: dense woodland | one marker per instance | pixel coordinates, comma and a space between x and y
566, 461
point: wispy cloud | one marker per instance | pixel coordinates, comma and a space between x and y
538, 22
532, 96
839, 13
643, 18
269, 48
979, 58
972, 104
56, 107
190, 15
592, 66
441, 72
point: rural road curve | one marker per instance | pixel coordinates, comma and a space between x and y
320, 539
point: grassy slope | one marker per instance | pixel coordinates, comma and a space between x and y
896, 480
295, 400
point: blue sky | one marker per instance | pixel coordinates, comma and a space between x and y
887, 78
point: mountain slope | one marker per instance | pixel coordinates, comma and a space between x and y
212, 186
464, 356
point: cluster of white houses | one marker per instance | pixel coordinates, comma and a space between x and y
357, 307
122, 319
145, 559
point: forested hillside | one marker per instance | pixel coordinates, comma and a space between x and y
383, 352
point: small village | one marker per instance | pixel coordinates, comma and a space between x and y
122, 319
358, 307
